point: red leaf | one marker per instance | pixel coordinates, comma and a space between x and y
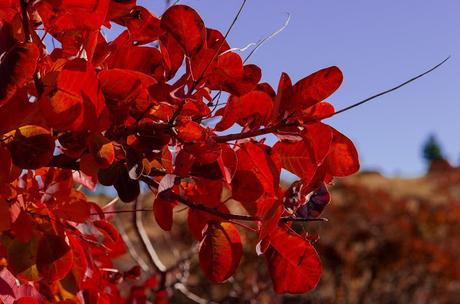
253, 108
204, 191
228, 163
186, 26
284, 93
198, 220
238, 84
112, 239
307, 91
22, 259
32, 147
102, 150
147, 60
190, 131
163, 211
5, 217
80, 261
293, 263
343, 159
25, 112
120, 8
143, 26
27, 300
68, 15
302, 158
246, 187
11, 290
54, 257
73, 208
216, 41
173, 55
22, 227
316, 87
253, 157
123, 85
72, 99
161, 297
16, 68
220, 251
8, 171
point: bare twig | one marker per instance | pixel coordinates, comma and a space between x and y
274, 128
132, 250
195, 83
261, 42
390, 90
140, 230
190, 295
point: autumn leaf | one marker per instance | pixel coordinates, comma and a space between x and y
32, 147
17, 67
186, 26
54, 257
293, 263
220, 251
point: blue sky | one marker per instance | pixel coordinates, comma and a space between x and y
377, 44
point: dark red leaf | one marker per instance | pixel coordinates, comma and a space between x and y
343, 157
246, 187
25, 112
54, 257
5, 217
220, 251
22, 258
163, 211
186, 26
22, 227
293, 263
16, 68
8, 171
32, 147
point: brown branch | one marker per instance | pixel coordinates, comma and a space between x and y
131, 248
249, 134
226, 216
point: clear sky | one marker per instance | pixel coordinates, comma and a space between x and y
377, 44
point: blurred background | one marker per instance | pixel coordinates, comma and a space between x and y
392, 235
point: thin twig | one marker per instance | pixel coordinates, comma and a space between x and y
261, 42
274, 128
389, 90
190, 295
140, 230
132, 251
195, 83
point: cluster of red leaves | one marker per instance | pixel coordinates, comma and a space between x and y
115, 113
